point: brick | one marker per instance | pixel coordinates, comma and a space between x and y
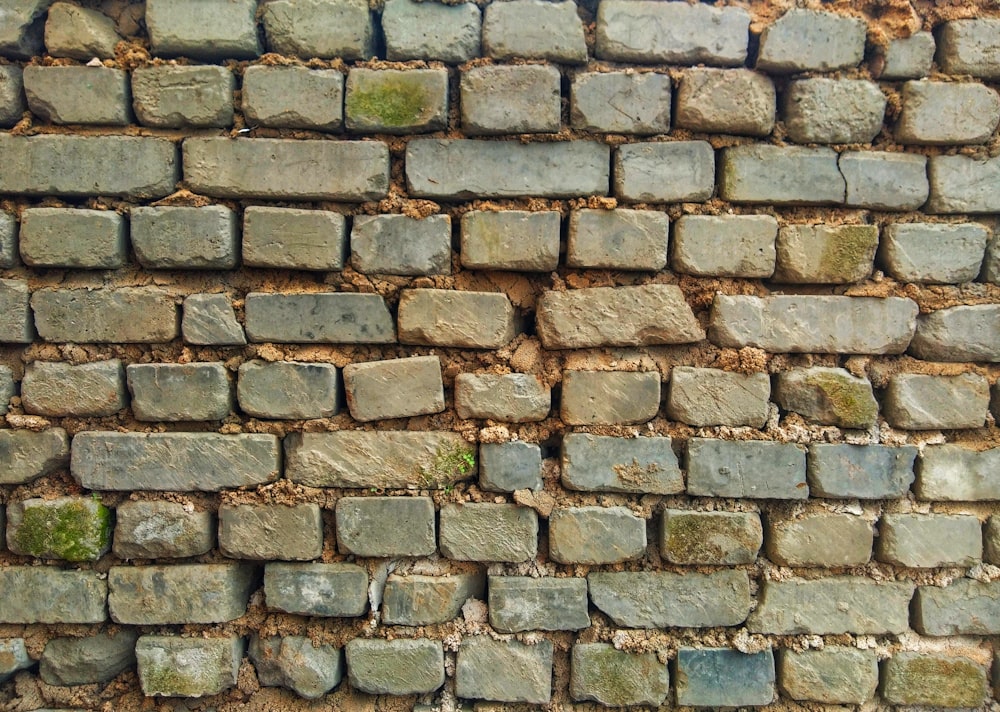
811, 40
916, 401
181, 593
610, 464
149, 529
616, 678
596, 535
469, 169
510, 240
823, 539
166, 667
398, 244
307, 170
671, 33
59, 389
646, 315
618, 239
724, 538
609, 397
320, 28
749, 469
946, 113
833, 675
79, 33
431, 31
831, 606
813, 324
931, 679
16, 326
829, 396
929, 540
209, 319
725, 245
621, 102
186, 96
271, 532
445, 317
519, 603
328, 590
969, 47
396, 388
933, 253
427, 600
722, 677
185, 237
909, 57
21, 36
71, 596
26, 455
731, 101
288, 390
67, 528
710, 396
783, 175
289, 238
386, 526
991, 540
963, 607
292, 661
78, 95
665, 172
12, 102
396, 101
81, 239
124, 315
823, 110
179, 391
957, 184
7, 389
178, 462
381, 459
506, 467
80, 661
502, 99
951, 473
212, 30
825, 254
8, 232
77, 166
293, 98
884, 180
659, 599
489, 532
13, 658
395, 667
504, 671
534, 29
321, 317
962, 333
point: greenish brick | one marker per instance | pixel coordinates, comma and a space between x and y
618, 239
179, 391
386, 526
70, 596
22, 32
82, 239
504, 671
166, 669
720, 538
210, 320
967, 46
124, 315
665, 172
417, 600
395, 667
781, 175
26, 455
933, 680
511, 397
909, 57
963, 607
721, 677
711, 396
12, 103
952, 473
13, 657
616, 678
149, 529
730, 101
725, 245
290, 238
519, 603
832, 675
612, 464
399, 244
459, 319
825, 254
322, 317
81, 661
510, 240
947, 113
320, 28
509, 99
396, 101
293, 662
265, 532
962, 333
753, 469
58, 389
326, 590
16, 324
68, 528
489, 532
830, 396
78, 95
394, 388
596, 535
431, 31
791, 43
534, 29
288, 390
841, 471
185, 237
933, 253
183, 96
930, 540
182, 593
506, 467
79, 33
823, 110
293, 97
621, 102
915, 401
820, 539
210, 30
885, 180
609, 397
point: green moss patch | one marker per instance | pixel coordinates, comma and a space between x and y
74, 529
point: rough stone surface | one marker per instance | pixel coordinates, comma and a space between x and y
944, 113
446, 317
969, 47
621, 102
534, 29
916, 401
830, 396
841, 471
991, 540
722, 677
185, 238
293, 97
725, 245
58, 389
932, 253
427, 600
16, 325
811, 40
929, 540
833, 675
171, 666
193, 96
596, 535
181, 593
665, 172
959, 184
79, 661
909, 57
396, 101
23, 28
320, 28
962, 333
618, 239
951, 473
268, 532
290, 238
506, 467
510, 240
13, 657
781, 175
431, 31
12, 103
126, 314
8, 228
885, 180
79, 33
71, 596
825, 110
7, 389
396, 388
322, 317
732, 101
750, 469
825, 254
512, 397
209, 319
611, 464
397, 244
502, 99
933, 680
78, 95
821, 539
386, 526
616, 678
179, 391
26, 455
395, 667
316, 589
722, 538
288, 390
155, 530
208, 30
488, 532
68, 528
519, 603
82, 239
609, 397
710, 396
963, 607
294, 662
504, 671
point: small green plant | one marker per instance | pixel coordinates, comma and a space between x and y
449, 464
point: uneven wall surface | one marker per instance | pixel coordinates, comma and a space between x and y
531, 354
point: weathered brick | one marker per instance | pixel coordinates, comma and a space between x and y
825, 254
504, 671
292, 661
621, 102
79, 661
171, 666
178, 462
959, 184
610, 464
944, 113
290, 238
80, 33
82, 239
396, 388
722, 677
929, 540
7, 389
665, 172
489, 532
860, 471
519, 603
398, 244
288, 390
419, 30
68, 528
8, 231
185, 237
932, 252
885, 181
833, 675
271, 531
16, 325
182, 593
751, 469
179, 391
12, 103
823, 110
618, 239
78, 95
963, 607
427, 600
909, 57
183, 96
649, 599
991, 540
512, 397
209, 319
395, 667
328, 590
321, 317
534, 29
154, 530
830, 396
710, 396
724, 538
962, 333
915, 401
596, 535
951, 473
70, 596
783, 175
609, 397
396, 101
616, 678
293, 97
510, 240
58, 389
13, 657
122, 315
21, 35
811, 40
26, 455
934, 680
502, 99
209, 30
284, 168
824, 539
446, 317
506, 467
969, 47
732, 101
386, 526
725, 245
320, 28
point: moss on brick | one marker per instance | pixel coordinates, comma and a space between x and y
848, 253
851, 403
70, 529
392, 103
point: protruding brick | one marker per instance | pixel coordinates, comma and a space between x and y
68, 528
431, 31
489, 532
71, 596
395, 667
750, 469
783, 175
182, 593
58, 389
328, 590
166, 670
963, 607
723, 677
932, 252
396, 101
710, 396
722, 538
185, 237
959, 184
929, 540
885, 180
81, 239
446, 317
183, 96
506, 467
945, 113
823, 539
510, 240
833, 675
519, 603
398, 244
621, 102
596, 535
616, 678
811, 40
288, 390
78, 95
179, 391
962, 333
26, 455
969, 47
933, 680
725, 245
610, 464
386, 526
289, 238
830, 396
321, 317
271, 531
822, 110
534, 29
396, 388
212, 30
609, 397
665, 172
147, 529
952, 473
209, 319
293, 97
504, 671
292, 661
825, 254
618, 239
915, 401
320, 28
12, 103
80, 661
123, 315
80, 33
502, 99
909, 57
731, 101
427, 600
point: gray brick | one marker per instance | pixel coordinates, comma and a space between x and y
825, 539
79, 33
12, 103
328, 590
67, 528
212, 30
166, 669
504, 671
271, 531
465, 169
288, 390
519, 603
200, 462
16, 325
710, 396
82, 239
182, 593
21, 36
959, 184
179, 391
293, 97
830, 396
725, 245
489, 532
596, 535
78, 95
8, 235
396, 388
651, 314
58, 389
320, 28
621, 102
285, 168
611, 464
149, 529
510, 240
209, 319
825, 254
933, 680
78, 166
427, 600
833, 675
381, 459
534, 29
969, 47
723, 538
7, 390
813, 324
962, 333
665, 172
831, 606
884, 180
395, 667
722, 677
784, 175
618, 239
445, 317
185, 237
289, 238
991, 540
124, 315
434, 31
321, 317
13, 657
916, 401
750, 469
616, 678
945, 113
671, 33
951, 473
732, 101
660, 599
963, 607
185, 96
811, 40
398, 244
502, 99
386, 526
929, 540
396, 101
292, 661
609, 397
909, 57
79, 661
70, 596
26, 455
823, 110
932, 252
506, 467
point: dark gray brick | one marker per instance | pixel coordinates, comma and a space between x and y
447, 317
534, 29
512, 397
831, 396
711, 396
596, 535
933, 253
725, 245
833, 675
288, 390
915, 401
185, 237
952, 473
963, 607
16, 325
819, 539
427, 600
395, 388
504, 671
860, 471
946, 113
909, 57
386, 526
510, 240
128, 314
519, 603
489, 532
962, 333
82, 239
266, 532
26, 455
328, 590
185, 96
885, 180
722, 677
80, 33
293, 97
147, 529
395, 667
783, 175
396, 101
182, 593
292, 661
823, 110
665, 172
322, 317
12, 103
621, 102
398, 244
618, 239
23, 27
320, 28
70, 596
79, 661
929, 540
165, 669
209, 319
506, 467
58, 389
959, 184
179, 391
811, 40
289, 238
612, 464
503, 99
209, 30
609, 397
616, 678
751, 469
434, 31
8, 231
78, 95
732, 101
